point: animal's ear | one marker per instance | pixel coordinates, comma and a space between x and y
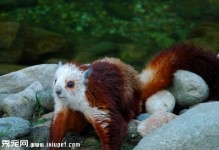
60, 64
87, 73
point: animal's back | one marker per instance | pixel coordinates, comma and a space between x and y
114, 85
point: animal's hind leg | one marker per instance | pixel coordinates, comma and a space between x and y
110, 128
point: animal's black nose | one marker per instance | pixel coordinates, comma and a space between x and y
58, 90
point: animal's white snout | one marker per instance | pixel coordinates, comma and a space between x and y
58, 90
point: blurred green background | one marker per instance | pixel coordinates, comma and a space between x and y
46, 31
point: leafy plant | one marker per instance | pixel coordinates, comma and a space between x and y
38, 109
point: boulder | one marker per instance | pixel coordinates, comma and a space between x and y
160, 101
12, 128
189, 88
195, 129
38, 135
40, 129
21, 104
46, 99
17, 81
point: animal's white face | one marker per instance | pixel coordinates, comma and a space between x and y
70, 86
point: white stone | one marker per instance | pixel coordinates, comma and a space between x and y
161, 101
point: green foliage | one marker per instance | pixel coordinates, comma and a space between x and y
155, 24
35, 122
162, 39
38, 109
2, 134
98, 19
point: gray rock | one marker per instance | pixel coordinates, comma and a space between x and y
12, 128
17, 81
43, 73
22, 103
2, 96
189, 88
39, 134
40, 129
46, 99
196, 129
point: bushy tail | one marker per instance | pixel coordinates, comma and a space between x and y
158, 74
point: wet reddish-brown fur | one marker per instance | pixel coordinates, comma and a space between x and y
108, 90
184, 57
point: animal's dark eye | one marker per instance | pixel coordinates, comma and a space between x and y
70, 84
55, 80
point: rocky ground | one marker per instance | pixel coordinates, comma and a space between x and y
26, 106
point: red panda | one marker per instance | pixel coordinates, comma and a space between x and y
158, 74
105, 94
